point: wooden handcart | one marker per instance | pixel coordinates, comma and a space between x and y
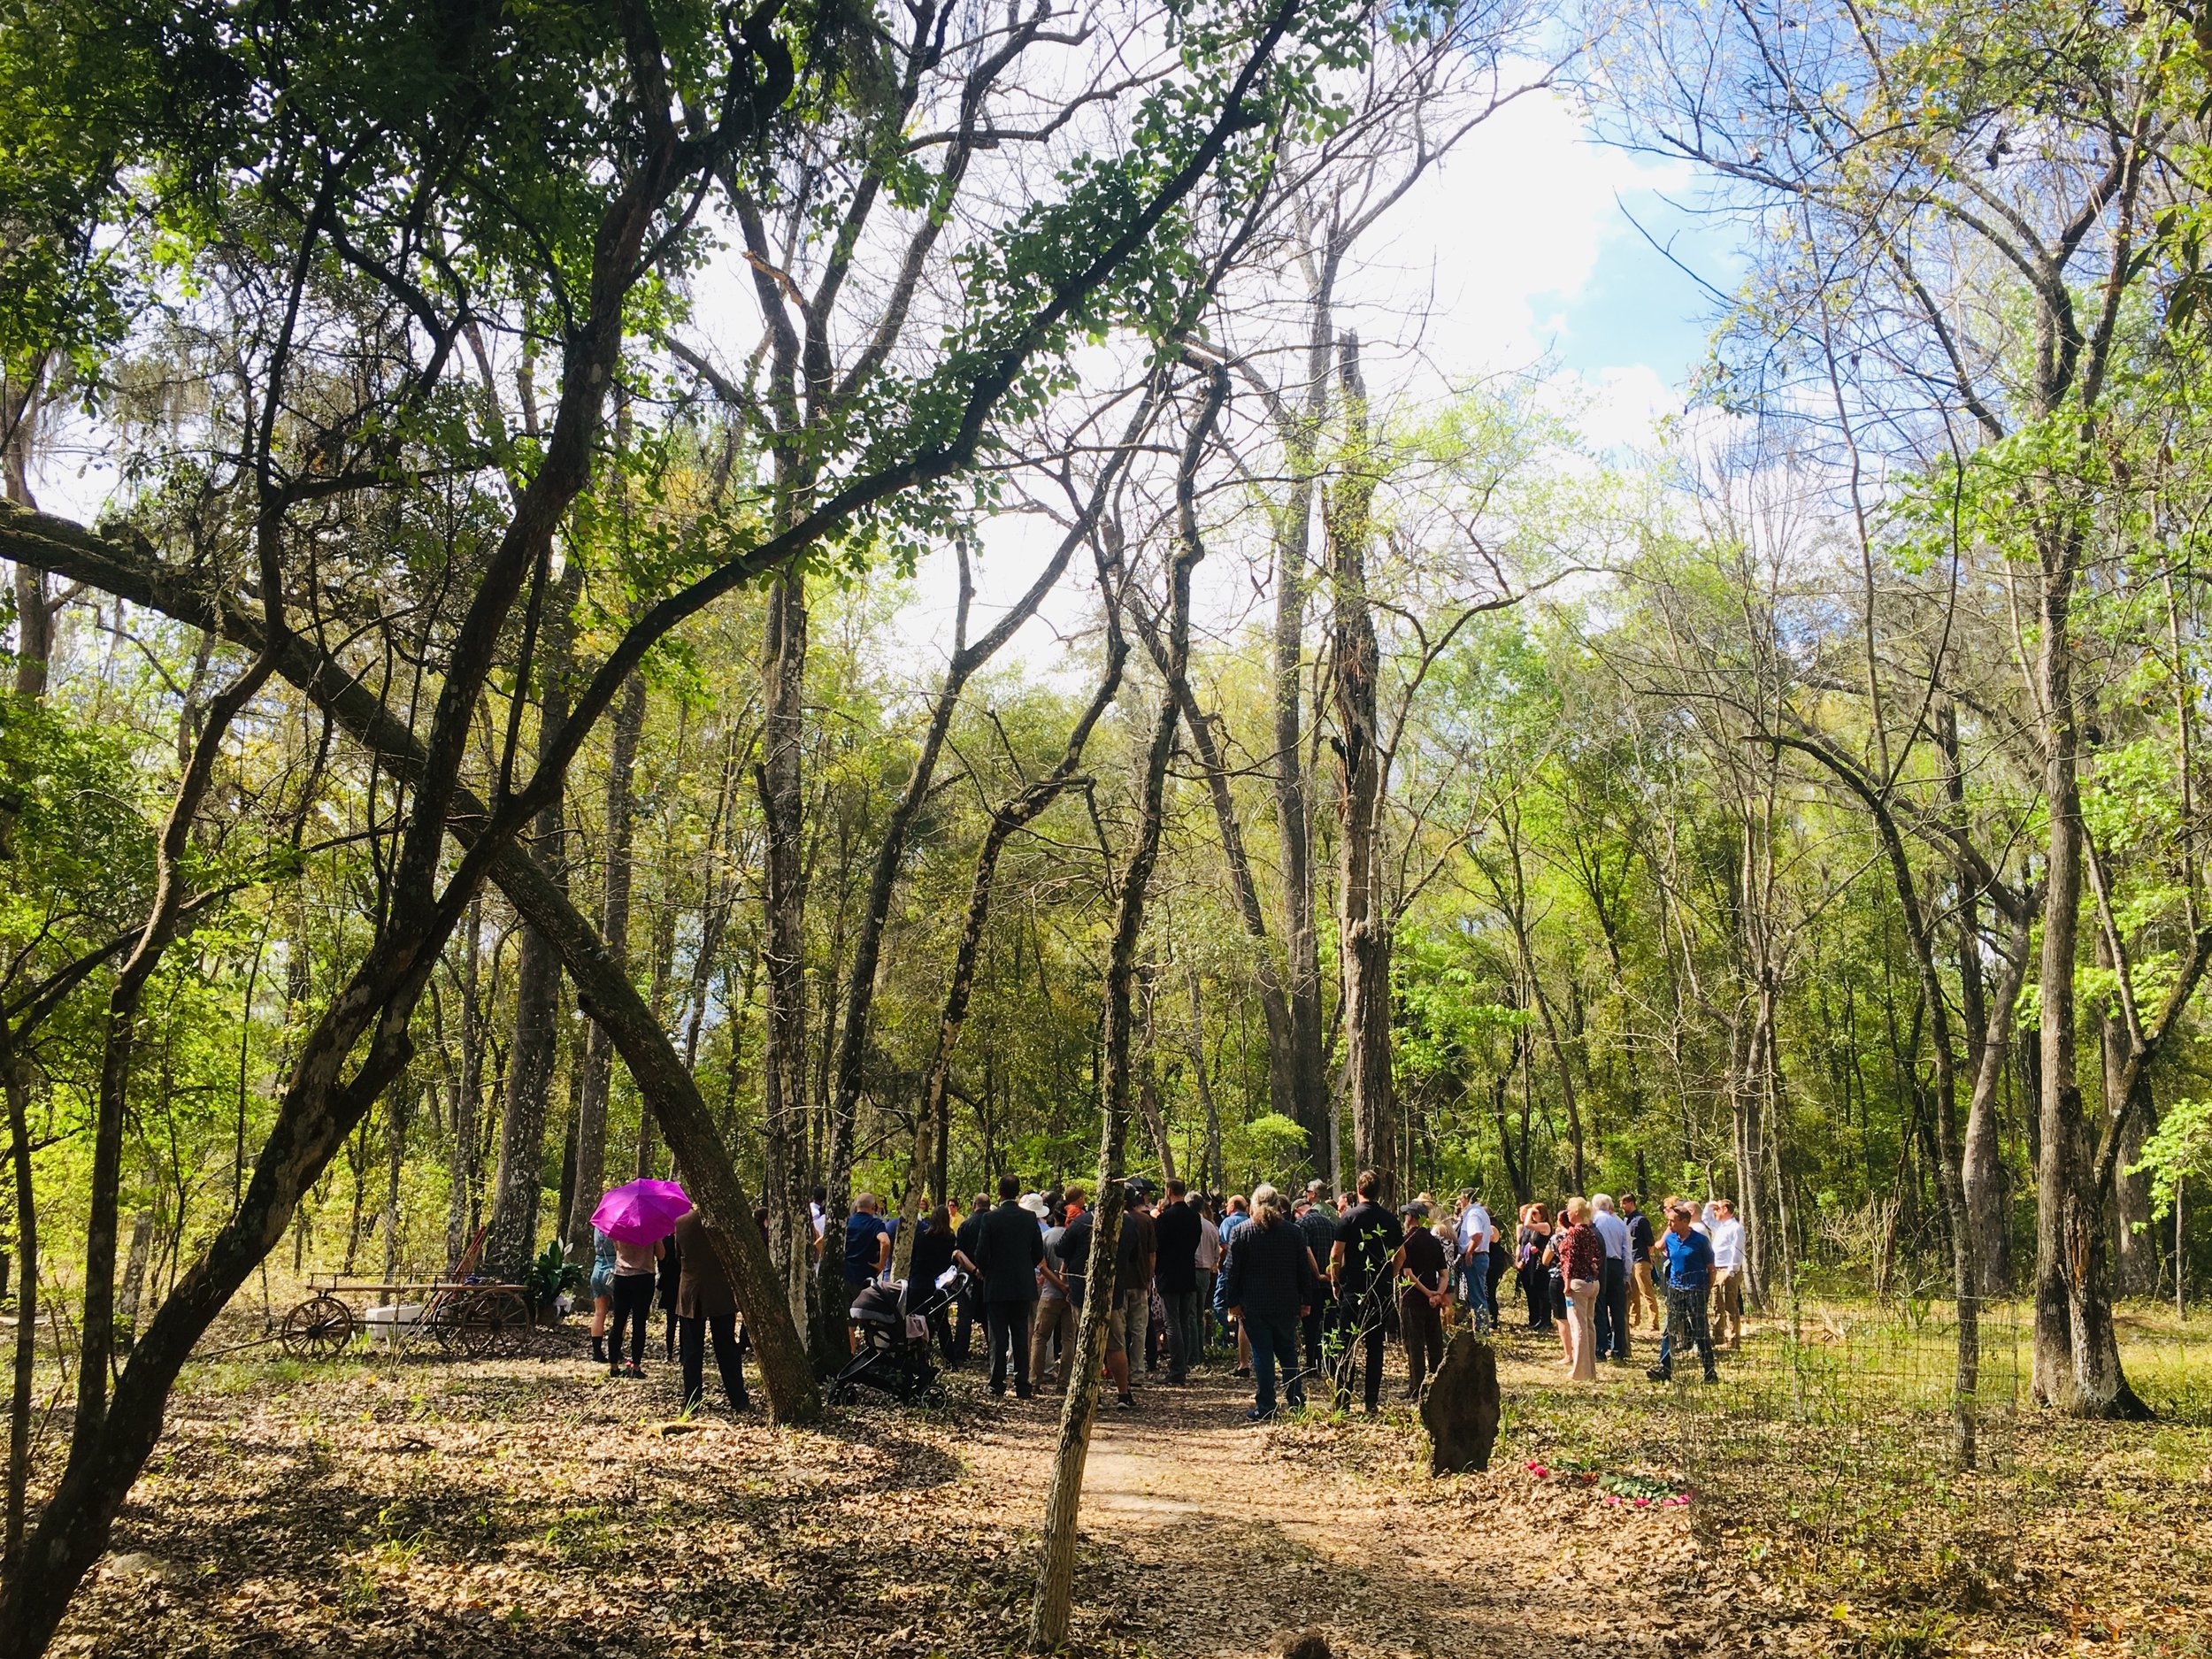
466, 1319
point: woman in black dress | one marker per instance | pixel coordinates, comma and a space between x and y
1528, 1254
933, 1253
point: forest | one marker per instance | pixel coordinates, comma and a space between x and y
832, 601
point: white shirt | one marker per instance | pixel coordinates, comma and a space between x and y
1209, 1246
1728, 1244
1614, 1231
1476, 1229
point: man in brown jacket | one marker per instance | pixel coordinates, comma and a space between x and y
704, 1303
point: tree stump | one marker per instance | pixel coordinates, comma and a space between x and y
1461, 1408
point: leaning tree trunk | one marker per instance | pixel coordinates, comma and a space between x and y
1364, 918
542, 902
1053, 1600
1965, 1282
614, 930
97, 1330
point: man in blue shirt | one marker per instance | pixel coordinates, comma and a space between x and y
1689, 1277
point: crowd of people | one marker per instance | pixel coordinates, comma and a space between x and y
1297, 1286
1283, 1286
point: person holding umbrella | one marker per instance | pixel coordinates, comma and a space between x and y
637, 1218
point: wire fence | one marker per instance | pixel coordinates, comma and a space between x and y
1830, 1445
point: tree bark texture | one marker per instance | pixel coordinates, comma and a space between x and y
510, 1236
1364, 905
780, 779
2077, 1352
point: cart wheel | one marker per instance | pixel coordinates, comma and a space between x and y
448, 1325
318, 1328
499, 1322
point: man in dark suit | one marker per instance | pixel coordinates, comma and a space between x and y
1009, 1247
705, 1305
1175, 1231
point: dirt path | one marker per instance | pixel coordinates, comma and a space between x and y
1213, 1536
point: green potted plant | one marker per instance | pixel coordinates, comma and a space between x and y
549, 1276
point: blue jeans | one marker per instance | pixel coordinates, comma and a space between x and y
1275, 1342
1473, 1274
1612, 1312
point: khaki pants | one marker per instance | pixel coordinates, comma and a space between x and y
1643, 1301
1054, 1313
1582, 1337
1727, 1306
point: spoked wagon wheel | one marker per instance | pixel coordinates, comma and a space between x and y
497, 1322
447, 1324
318, 1328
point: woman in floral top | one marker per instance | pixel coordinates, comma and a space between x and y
1582, 1264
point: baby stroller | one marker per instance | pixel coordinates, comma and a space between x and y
893, 1352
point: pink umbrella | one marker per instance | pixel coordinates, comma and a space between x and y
643, 1212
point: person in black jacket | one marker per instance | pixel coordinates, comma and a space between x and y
1316, 1219
1271, 1286
1009, 1248
934, 1251
706, 1307
1362, 1266
968, 1237
1175, 1234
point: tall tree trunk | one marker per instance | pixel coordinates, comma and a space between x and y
400, 1108
510, 1235
2137, 1244
1213, 1175
1054, 1599
1363, 914
1983, 1171
2077, 1352
1300, 432
780, 779
34, 617
461, 1163
25, 1366
614, 930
